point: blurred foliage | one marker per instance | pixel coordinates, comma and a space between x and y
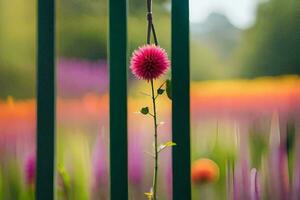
82, 29
272, 46
17, 41
84, 25
81, 32
204, 62
258, 146
290, 146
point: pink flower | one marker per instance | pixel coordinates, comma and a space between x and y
149, 62
30, 167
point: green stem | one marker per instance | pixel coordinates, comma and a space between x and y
154, 186
151, 28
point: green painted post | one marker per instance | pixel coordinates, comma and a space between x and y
45, 101
181, 100
118, 99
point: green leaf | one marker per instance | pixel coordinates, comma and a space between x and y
145, 110
64, 176
169, 88
160, 91
167, 144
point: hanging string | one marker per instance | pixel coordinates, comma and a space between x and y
150, 24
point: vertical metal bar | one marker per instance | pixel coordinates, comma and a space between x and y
45, 101
181, 100
118, 99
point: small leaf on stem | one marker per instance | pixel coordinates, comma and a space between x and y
170, 143
160, 91
149, 195
167, 144
145, 110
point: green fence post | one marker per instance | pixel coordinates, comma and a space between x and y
181, 100
118, 99
45, 101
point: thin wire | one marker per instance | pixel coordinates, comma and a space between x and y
154, 34
150, 24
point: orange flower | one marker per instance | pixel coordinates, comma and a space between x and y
204, 171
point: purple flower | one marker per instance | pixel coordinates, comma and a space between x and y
99, 166
77, 77
100, 169
254, 188
29, 169
135, 165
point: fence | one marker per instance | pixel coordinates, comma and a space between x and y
118, 100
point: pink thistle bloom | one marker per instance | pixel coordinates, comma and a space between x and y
149, 62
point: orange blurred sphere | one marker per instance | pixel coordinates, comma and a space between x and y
204, 171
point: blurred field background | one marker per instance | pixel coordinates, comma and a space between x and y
245, 100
